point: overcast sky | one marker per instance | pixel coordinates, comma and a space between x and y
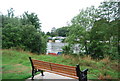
52, 13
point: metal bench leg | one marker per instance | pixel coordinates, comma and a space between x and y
33, 72
42, 73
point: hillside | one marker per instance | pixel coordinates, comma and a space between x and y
16, 65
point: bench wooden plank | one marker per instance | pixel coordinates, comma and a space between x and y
42, 67
38, 61
63, 65
63, 69
58, 69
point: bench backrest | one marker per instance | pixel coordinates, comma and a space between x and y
65, 70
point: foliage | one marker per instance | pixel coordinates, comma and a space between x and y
67, 49
31, 19
10, 12
23, 33
97, 30
109, 10
53, 33
10, 32
33, 41
104, 39
98, 38
63, 31
48, 33
80, 27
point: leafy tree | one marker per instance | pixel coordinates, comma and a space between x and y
114, 39
103, 39
10, 32
23, 33
31, 19
80, 27
62, 31
53, 32
98, 38
96, 30
10, 12
11, 36
67, 49
32, 39
48, 33
109, 10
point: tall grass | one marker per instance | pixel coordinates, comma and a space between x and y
16, 64
98, 69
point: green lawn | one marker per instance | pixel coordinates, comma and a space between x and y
16, 65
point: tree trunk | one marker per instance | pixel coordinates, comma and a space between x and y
86, 49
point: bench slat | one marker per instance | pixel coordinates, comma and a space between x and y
41, 64
65, 70
38, 61
75, 77
67, 75
52, 66
42, 67
59, 67
63, 65
57, 70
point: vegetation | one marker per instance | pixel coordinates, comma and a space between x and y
21, 68
96, 30
22, 33
63, 31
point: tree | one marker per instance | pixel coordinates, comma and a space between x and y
98, 39
63, 31
80, 27
10, 32
48, 33
104, 39
96, 30
23, 33
109, 10
53, 32
11, 36
31, 19
10, 12
32, 39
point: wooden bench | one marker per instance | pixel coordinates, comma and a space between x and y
69, 71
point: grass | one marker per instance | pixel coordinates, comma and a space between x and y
16, 65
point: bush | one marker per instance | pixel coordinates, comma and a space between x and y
22, 36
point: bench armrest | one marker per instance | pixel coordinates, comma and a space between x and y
85, 71
81, 74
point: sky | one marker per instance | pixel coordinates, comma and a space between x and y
52, 13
